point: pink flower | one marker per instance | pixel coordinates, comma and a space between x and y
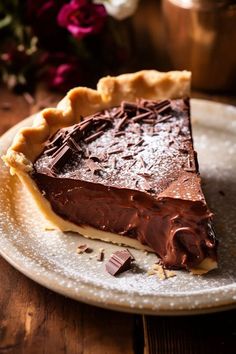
61, 72
63, 77
82, 18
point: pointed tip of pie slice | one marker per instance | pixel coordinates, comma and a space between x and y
186, 187
205, 266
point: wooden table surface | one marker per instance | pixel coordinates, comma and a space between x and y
35, 320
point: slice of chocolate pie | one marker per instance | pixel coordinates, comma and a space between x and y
118, 165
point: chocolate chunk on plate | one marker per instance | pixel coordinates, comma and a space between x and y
119, 262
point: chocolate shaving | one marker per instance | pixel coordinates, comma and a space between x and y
159, 105
93, 166
141, 109
100, 255
84, 249
143, 163
163, 109
150, 167
122, 122
164, 118
51, 150
114, 162
132, 164
149, 121
117, 112
83, 125
93, 137
119, 262
56, 139
73, 144
140, 142
117, 151
102, 127
102, 119
114, 143
138, 151
61, 157
127, 157
145, 174
76, 133
121, 113
140, 117
119, 133
129, 106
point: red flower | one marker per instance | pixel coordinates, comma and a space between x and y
82, 18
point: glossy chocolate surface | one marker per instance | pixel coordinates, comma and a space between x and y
132, 170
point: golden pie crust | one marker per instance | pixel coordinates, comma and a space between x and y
82, 101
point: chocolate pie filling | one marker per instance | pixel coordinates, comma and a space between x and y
132, 170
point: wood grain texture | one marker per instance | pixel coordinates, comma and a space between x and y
35, 320
202, 334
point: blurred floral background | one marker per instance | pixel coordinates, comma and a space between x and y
64, 43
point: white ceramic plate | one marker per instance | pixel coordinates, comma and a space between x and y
50, 258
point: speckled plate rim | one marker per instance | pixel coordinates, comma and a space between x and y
186, 304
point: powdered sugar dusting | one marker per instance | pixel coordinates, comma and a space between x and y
162, 150
50, 257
